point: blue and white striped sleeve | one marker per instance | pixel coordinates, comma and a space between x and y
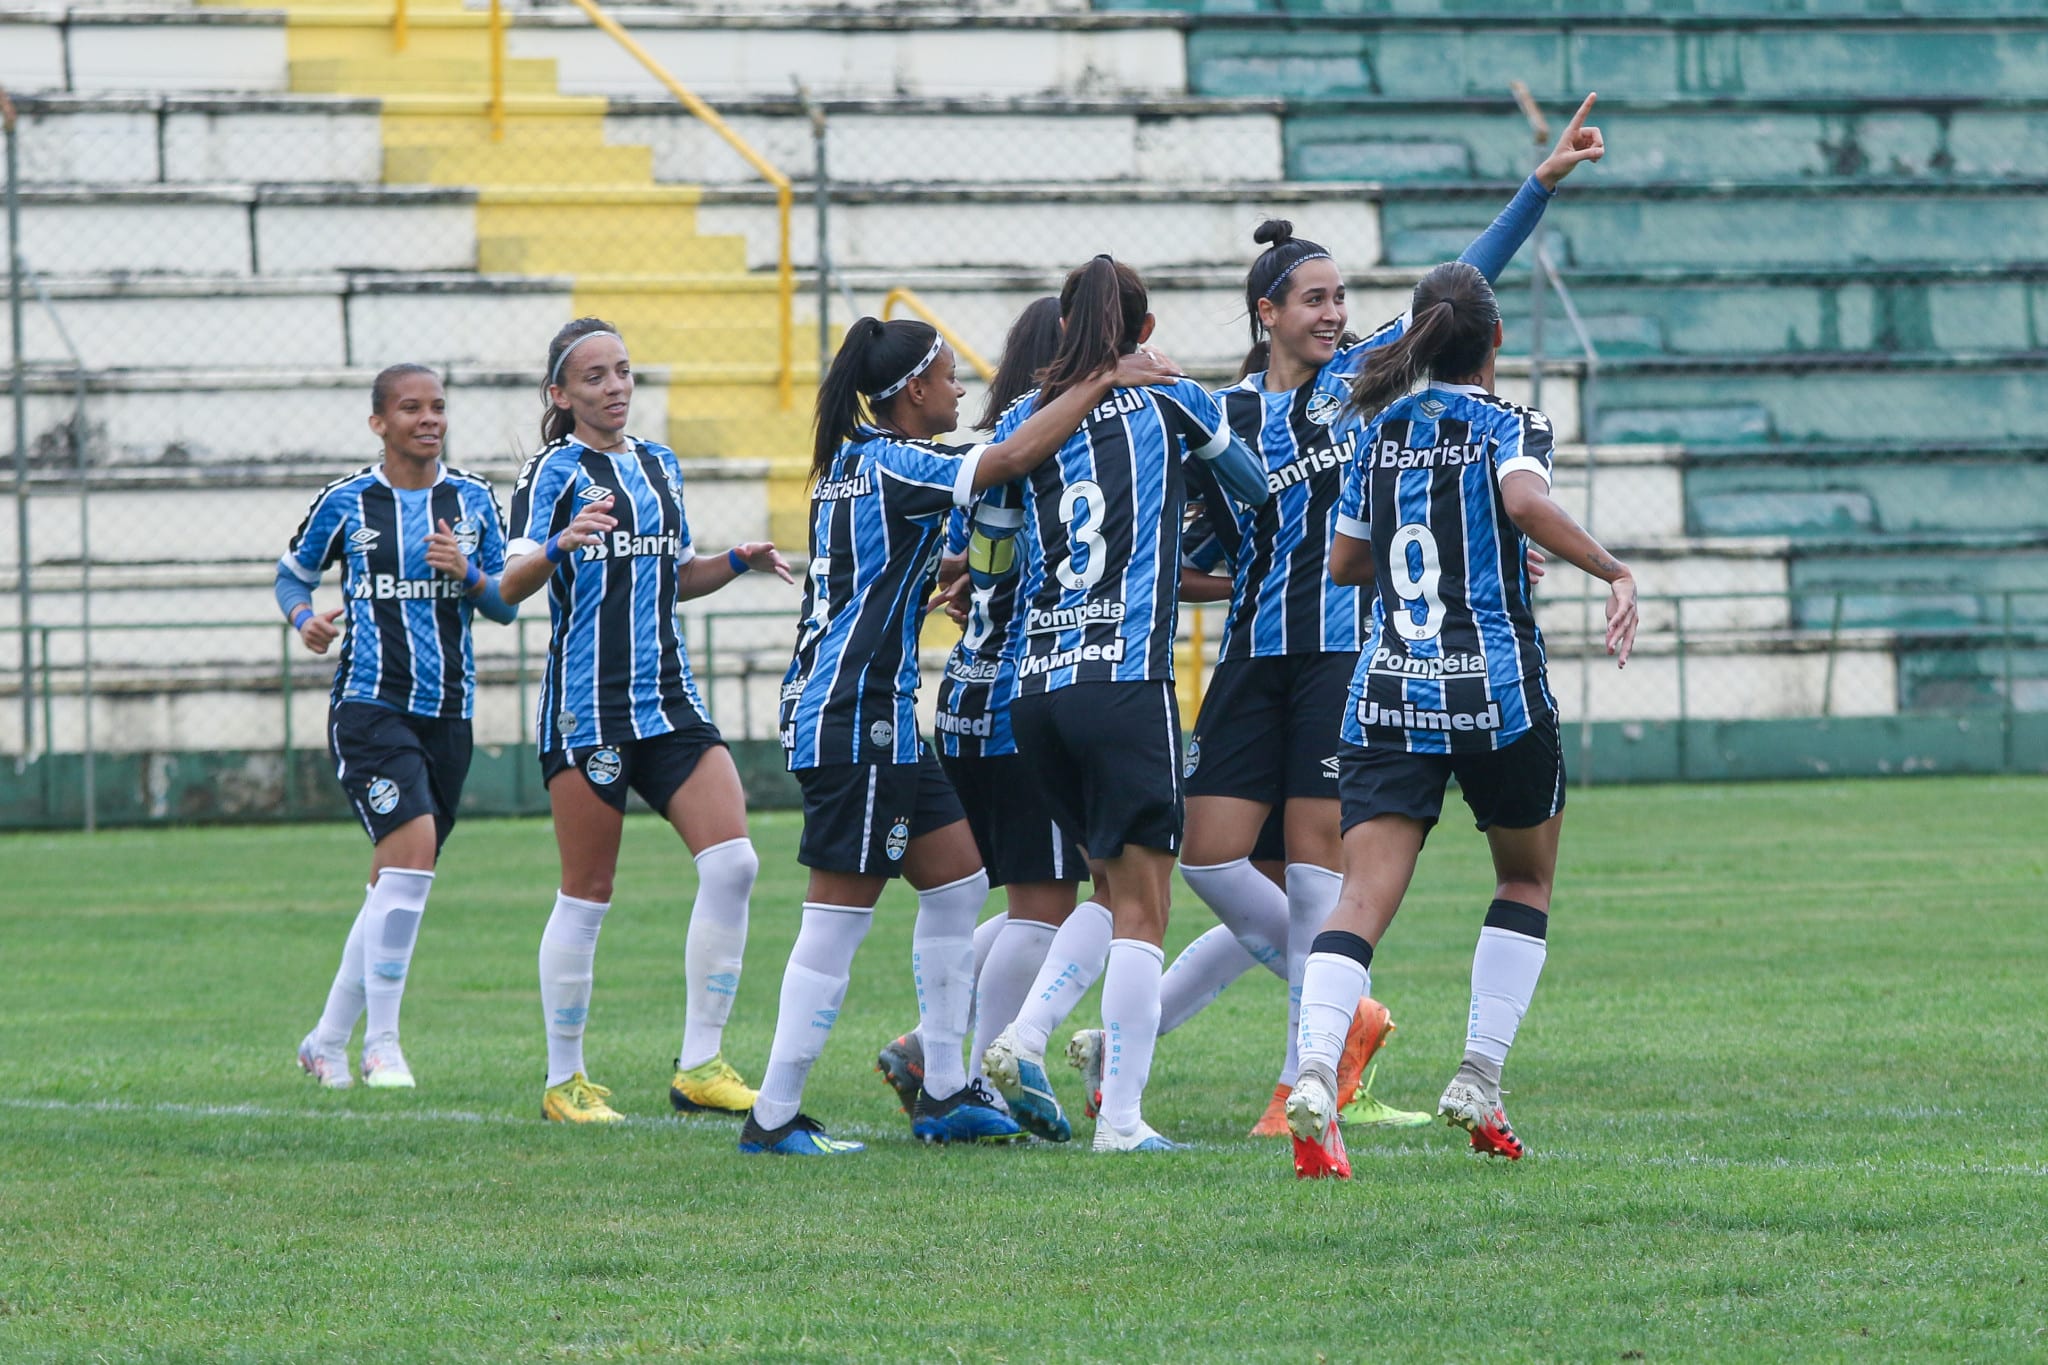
1526, 446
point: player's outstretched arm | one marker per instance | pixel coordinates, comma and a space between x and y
524, 575
708, 573
1538, 516
1492, 249
1047, 429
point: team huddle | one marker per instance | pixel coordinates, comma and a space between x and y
1365, 504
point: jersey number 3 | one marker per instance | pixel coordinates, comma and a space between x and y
1081, 508
1413, 573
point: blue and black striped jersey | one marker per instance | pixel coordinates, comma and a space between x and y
1452, 662
616, 668
973, 716
1101, 536
407, 640
877, 521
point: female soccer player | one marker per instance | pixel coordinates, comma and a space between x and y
598, 517
1267, 733
1095, 712
876, 803
1450, 683
419, 546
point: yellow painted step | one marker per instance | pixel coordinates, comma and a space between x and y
707, 340
739, 394
568, 130
409, 76
656, 299
567, 253
521, 162
784, 436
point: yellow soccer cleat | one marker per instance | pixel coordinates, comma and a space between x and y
578, 1100
713, 1088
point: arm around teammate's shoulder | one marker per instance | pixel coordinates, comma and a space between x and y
1350, 560
1526, 498
1047, 429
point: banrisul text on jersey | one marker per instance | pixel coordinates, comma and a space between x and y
877, 520
407, 644
616, 668
1452, 660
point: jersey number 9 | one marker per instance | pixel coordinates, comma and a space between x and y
1413, 572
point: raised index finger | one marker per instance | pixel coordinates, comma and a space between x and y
1579, 119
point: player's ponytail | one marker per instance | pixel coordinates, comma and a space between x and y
1033, 341
1449, 336
557, 423
874, 363
1272, 277
1102, 306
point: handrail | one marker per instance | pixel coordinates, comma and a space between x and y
784, 192
909, 299
399, 32
497, 71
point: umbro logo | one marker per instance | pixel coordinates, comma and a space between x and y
824, 1018
594, 493
1432, 408
1330, 767
361, 541
722, 983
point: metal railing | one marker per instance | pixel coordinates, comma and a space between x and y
909, 299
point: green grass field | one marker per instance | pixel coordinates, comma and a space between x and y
1782, 1088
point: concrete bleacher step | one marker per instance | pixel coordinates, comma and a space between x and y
1986, 490
1524, 11
513, 164
371, 76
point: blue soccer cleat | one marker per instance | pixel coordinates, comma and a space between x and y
801, 1136
1020, 1075
970, 1114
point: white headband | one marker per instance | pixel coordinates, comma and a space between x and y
919, 368
561, 359
1281, 278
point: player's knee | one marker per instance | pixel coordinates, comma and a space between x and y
732, 866
1524, 891
590, 886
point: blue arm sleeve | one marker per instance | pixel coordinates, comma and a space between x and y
291, 592
490, 604
1492, 249
1240, 472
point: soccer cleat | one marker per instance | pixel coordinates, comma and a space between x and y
713, 1088
384, 1065
1273, 1123
578, 1100
801, 1136
327, 1065
1369, 1029
1022, 1079
1318, 1138
969, 1114
1084, 1054
902, 1066
1367, 1112
1465, 1105
1143, 1138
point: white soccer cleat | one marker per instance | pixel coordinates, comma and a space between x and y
384, 1065
1143, 1138
1312, 1120
327, 1065
1465, 1105
1085, 1053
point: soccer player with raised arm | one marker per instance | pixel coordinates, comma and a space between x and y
1266, 738
420, 547
1095, 715
597, 517
1448, 486
876, 803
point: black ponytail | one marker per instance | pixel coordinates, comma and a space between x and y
1449, 336
873, 363
1272, 277
557, 423
1033, 341
1103, 305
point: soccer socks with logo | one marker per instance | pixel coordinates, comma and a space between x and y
1130, 1028
1335, 978
345, 995
1072, 963
942, 966
1248, 904
1505, 967
568, 948
1004, 979
1200, 974
813, 989
717, 941
391, 926
1311, 896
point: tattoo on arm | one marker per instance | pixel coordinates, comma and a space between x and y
1604, 564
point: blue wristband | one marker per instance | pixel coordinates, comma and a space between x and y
553, 549
739, 565
473, 577
301, 616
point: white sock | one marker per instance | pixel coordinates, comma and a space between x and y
1130, 1028
568, 948
1200, 974
717, 941
985, 935
345, 995
1504, 971
1332, 984
1072, 963
942, 965
1004, 980
813, 989
391, 926
1249, 905
1311, 896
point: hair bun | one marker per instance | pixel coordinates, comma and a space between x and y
1274, 232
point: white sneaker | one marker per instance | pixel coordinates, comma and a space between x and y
384, 1065
1084, 1054
1143, 1138
327, 1065
1318, 1142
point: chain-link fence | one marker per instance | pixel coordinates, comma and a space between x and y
1797, 403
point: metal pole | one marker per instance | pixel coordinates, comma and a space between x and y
91, 797
285, 682
21, 553
2010, 720
821, 201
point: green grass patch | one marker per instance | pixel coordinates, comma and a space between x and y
1782, 1087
